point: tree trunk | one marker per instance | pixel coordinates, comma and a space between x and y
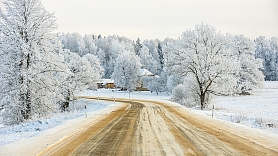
202, 98
65, 105
26, 95
26, 111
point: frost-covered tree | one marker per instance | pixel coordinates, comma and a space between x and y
29, 61
109, 49
172, 82
137, 47
266, 49
88, 74
127, 70
115, 49
106, 49
153, 48
155, 83
90, 47
96, 71
185, 94
273, 42
147, 60
180, 94
250, 75
202, 56
86, 70
160, 53
74, 42
83, 73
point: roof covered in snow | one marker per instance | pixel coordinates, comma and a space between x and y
145, 72
105, 81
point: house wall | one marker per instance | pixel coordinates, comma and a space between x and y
110, 85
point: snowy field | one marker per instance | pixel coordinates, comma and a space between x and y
32, 128
259, 110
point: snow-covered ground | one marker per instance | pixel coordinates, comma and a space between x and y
259, 110
9, 134
113, 93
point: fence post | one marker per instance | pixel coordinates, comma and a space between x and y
86, 110
212, 111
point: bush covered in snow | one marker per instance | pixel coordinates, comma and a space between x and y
181, 95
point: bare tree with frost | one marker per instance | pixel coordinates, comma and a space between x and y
202, 56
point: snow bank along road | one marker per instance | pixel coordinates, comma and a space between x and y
145, 127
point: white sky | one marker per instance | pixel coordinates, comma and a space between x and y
150, 19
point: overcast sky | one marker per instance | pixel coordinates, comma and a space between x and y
150, 19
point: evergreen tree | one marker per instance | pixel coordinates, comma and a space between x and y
137, 47
161, 58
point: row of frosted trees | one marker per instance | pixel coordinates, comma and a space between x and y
224, 64
203, 60
108, 48
151, 52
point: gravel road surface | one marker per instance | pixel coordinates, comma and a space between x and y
145, 127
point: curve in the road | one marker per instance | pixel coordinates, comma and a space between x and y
144, 127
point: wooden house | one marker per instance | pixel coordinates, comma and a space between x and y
106, 83
143, 73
